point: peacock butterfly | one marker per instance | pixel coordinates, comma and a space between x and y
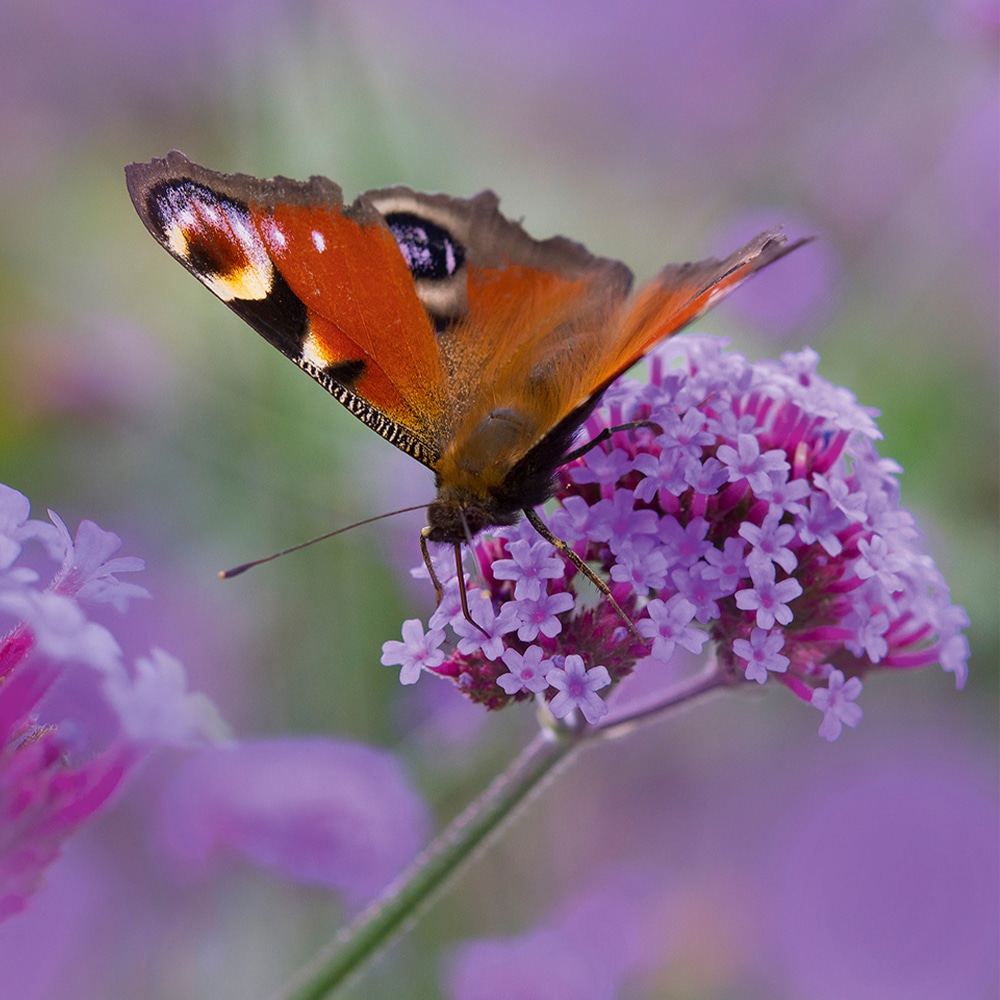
442, 325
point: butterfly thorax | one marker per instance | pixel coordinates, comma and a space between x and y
491, 474
475, 486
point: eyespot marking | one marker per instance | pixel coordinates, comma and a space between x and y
430, 251
215, 236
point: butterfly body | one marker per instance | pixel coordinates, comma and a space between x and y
442, 325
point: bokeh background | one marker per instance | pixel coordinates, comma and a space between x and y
727, 854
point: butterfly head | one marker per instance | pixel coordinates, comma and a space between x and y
459, 515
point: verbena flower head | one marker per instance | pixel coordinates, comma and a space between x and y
56, 772
754, 513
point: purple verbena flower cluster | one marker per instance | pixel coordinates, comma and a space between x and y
54, 772
752, 511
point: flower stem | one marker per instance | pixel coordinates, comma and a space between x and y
432, 870
711, 678
420, 884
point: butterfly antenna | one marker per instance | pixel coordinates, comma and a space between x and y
228, 574
569, 553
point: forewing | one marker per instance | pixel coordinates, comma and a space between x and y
681, 293
324, 283
603, 351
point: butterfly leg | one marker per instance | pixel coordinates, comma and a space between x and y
605, 435
463, 593
570, 553
425, 552
438, 588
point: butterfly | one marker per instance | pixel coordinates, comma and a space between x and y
442, 325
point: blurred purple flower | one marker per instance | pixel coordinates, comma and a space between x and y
884, 883
154, 705
801, 568
52, 776
320, 811
588, 948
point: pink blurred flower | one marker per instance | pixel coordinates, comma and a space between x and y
54, 775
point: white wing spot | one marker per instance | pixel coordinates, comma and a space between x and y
313, 353
242, 232
319, 240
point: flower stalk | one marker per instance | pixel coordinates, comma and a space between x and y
443, 860
553, 749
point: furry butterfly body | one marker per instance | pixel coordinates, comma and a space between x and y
442, 325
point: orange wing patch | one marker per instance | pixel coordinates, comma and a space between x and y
362, 308
520, 348
680, 293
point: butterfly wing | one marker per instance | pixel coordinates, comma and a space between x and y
500, 311
555, 342
442, 325
323, 282
681, 293
396, 304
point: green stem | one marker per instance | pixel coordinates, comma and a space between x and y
443, 860
446, 857
712, 678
